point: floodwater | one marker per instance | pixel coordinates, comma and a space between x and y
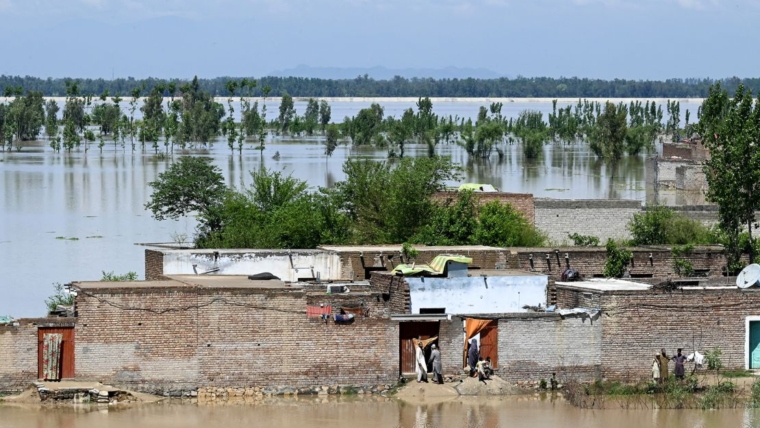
70, 216
512, 412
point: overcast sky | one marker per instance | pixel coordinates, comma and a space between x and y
640, 39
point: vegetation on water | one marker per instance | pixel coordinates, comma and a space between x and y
278, 211
364, 86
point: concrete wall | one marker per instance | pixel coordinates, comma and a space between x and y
246, 262
601, 218
163, 339
477, 295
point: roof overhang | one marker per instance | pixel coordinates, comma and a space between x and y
420, 317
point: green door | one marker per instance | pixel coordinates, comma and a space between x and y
754, 344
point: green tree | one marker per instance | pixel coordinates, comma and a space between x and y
153, 117
324, 114
453, 223
311, 116
59, 298
607, 140
190, 185
731, 131
112, 277
287, 112
331, 140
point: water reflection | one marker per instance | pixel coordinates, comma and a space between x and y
372, 412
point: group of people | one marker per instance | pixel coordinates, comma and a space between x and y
478, 366
660, 365
421, 366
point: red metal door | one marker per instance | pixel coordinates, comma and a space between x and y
67, 350
409, 331
489, 343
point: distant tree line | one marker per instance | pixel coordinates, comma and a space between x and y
364, 86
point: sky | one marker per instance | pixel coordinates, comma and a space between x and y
632, 39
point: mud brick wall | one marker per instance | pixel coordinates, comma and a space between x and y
180, 338
637, 325
18, 356
451, 342
395, 289
154, 265
533, 346
521, 202
604, 219
141, 337
589, 261
266, 339
353, 264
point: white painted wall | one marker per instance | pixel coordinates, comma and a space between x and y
478, 295
249, 262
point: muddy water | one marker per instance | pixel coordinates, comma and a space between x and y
369, 413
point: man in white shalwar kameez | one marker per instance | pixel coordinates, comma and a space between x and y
421, 364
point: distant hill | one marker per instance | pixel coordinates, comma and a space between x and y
382, 73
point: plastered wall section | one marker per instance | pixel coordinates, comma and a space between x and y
604, 219
288, 266
477, 294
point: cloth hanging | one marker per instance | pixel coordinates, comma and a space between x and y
425, 342
473, 326
51, 356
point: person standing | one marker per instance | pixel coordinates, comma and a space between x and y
680, 360
663, 359
656, 368
472, 356
435, 363
420, 364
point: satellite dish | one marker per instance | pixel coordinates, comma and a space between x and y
749, 276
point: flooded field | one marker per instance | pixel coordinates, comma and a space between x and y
513, 412
71, 216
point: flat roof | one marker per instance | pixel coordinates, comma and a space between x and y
215, 281
605, 284
397, 248
502, 272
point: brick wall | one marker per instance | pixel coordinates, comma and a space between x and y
521, 202
601, 218
18, 351
172, 339
154, 265
637, 325
395, 289
18, 356
670, 150
589, 261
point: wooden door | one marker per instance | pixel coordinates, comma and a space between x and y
67, 350
754, 345
489, 343
409, 331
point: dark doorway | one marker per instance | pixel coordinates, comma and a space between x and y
409, 331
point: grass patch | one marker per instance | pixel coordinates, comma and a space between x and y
94, 237
63, 238
736, 373
348, 390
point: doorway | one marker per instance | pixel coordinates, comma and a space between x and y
55, 353
409, 331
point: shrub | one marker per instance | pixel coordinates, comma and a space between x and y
713, 359
500, 225
663, 226
584, 240
618, 260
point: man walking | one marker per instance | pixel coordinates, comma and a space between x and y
435, 363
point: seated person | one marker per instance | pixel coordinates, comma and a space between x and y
481, 368
487, 368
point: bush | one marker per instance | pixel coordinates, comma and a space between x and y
60, 298
500, 225
663, 226
584, 240
713, 359
618, 260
